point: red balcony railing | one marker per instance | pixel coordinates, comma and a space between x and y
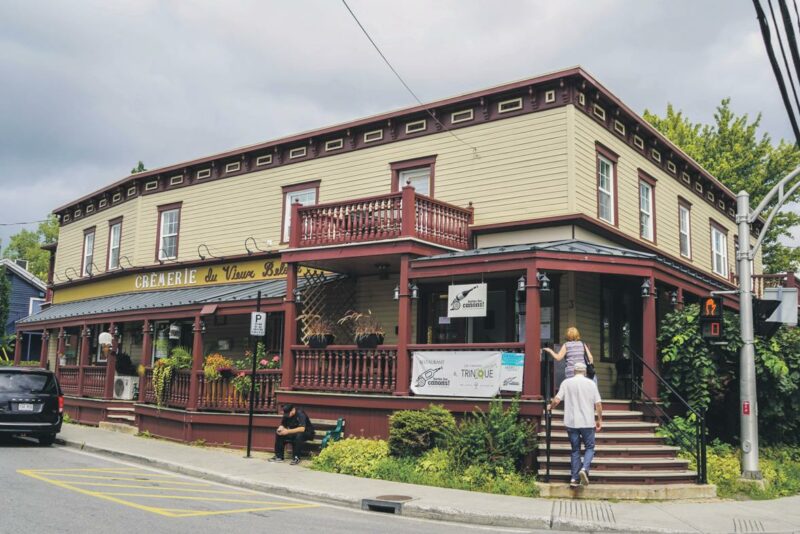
221, 395
762, 281
405, 214
94, 382
68, 378
346, 368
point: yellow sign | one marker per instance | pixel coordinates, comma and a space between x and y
225, 273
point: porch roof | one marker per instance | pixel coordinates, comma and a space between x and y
576, 246
145, 300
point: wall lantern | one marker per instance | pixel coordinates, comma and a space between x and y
414, 291
298, 295
202, 327
521, 283
673, 298
544, 282
150, 328
396, 292
116, 332
646, 288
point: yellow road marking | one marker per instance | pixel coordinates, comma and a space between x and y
133, 486
244, 510
192, 498
120, 470
140, 479
112, 476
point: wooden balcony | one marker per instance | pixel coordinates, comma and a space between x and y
399, 215
345, 368
762, 281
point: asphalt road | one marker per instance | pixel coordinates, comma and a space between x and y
61, 490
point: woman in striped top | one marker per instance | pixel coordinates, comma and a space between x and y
572, 350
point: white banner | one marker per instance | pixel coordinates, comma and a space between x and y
450, 373
511, 367
467, 300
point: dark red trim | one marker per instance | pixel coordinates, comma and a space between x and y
285, 190
87, 231
161, 209
111, 223
409, 164
683, 203
649, 180
613, 157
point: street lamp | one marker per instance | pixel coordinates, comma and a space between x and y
646, 288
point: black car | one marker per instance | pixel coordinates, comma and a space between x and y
31, 403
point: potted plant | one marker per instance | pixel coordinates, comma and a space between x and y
217, 366
319, 331
367, 331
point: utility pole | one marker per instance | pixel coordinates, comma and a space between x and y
748, 404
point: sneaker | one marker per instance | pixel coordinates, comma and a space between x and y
573, 484
584, 477
275, 459
295, 461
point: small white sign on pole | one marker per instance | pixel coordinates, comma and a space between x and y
466, 300
258, 324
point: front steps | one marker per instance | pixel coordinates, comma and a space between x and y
120, 419
631, 461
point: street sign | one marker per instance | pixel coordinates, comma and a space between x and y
711, 318
258, 324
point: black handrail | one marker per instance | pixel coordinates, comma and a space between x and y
548, 416
699, 441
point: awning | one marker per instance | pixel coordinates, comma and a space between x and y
151, 300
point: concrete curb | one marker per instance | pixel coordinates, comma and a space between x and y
409, 509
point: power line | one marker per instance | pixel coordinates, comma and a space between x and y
402, 81
783, 54
22, 223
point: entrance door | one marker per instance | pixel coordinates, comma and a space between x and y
620, 328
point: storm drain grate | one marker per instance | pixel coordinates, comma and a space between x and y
747, 525
386, 504
582, 511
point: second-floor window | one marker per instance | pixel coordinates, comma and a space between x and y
114, 237
419, 179
685, 230
305, 195
719, 251
605, 189
88, 253
646, 211
168, 228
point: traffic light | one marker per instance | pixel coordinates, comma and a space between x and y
712, 325
762, 310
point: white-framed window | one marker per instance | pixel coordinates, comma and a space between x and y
685, 230
168, 234
114, 237
88, 254
306, 197
35, 305
646, 229
719, 251
419, 178
605, 189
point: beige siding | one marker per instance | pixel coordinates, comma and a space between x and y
518, 172
667, 190
375, 295
519, 237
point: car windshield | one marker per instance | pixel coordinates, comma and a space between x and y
27, 383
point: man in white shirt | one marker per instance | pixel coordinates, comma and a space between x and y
581, 405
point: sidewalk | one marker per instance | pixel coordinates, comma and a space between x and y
781, 515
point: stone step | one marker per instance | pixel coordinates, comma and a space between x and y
607, 438
120, 410
615, 426
617, 476
121, 417
652, 492
611, 415
600, 463
616, 451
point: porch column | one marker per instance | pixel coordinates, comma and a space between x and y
409, 216
18, 347
111, 364
83, 357
531, 378
197, 363
43, 353
59, 346
289, 327
679, 304
147, 355
403, 378
649, 347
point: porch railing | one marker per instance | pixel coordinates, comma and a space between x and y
346, 368
221, 395
94, 381
382, 217
762, 281
68, 378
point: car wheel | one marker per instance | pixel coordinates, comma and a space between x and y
47, 440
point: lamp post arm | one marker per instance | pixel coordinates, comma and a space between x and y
782, 198
778, 189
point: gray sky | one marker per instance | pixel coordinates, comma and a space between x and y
89, 88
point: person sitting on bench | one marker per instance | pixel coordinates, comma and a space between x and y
296, 428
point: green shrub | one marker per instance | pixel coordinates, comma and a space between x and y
412, 432
352, 456
681, 432
497, 439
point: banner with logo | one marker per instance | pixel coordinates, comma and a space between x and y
451, 373
511, 367
466, 300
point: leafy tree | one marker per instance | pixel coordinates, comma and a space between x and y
139, 168
26, 245
732, 151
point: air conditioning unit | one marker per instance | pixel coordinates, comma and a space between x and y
126, 387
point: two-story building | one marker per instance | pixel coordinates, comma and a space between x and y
561, 204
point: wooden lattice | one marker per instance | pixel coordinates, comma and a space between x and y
330, 298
